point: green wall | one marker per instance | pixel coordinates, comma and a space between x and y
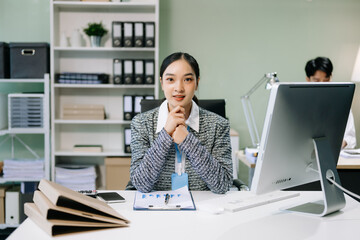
234, 41
237, 41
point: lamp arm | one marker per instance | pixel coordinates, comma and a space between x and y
271, 78
250, 121
256, 86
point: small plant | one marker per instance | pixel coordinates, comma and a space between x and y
95, 29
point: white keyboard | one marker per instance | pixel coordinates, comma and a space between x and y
238, 204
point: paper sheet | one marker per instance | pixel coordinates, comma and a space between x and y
179, 199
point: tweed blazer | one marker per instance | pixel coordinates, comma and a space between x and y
208, 154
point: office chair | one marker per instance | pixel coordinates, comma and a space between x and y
214, 105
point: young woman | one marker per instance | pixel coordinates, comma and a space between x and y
180, 143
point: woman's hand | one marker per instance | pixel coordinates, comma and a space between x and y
175, 118
180, 134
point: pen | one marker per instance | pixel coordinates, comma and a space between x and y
167, 197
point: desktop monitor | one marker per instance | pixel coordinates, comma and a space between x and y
303, 131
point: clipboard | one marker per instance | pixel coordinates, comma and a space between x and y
180, 199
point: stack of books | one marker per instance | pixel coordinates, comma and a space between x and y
58, 210
83, 112
25, 168
82, 78
76, 177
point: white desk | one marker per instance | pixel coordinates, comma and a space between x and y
265, 222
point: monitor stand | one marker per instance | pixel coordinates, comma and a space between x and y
334, 199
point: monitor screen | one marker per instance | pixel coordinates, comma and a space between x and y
297, 113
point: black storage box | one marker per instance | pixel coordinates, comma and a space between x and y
4, 60
29, 60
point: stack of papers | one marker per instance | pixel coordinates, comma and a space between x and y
83, 111
350, 153
76, 177
180, 199
58, 210
24, 168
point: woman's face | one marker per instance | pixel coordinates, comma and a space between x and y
179, 84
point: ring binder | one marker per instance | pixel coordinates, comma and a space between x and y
128, 34
117, 34
139, 71
128, 71
139, 34
149, 34
117, 71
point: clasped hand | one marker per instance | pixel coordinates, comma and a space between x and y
175, 124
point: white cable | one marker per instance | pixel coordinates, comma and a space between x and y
343, 189
309, 168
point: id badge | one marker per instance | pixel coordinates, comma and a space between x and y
179, 181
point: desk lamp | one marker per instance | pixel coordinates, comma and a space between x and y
356, 71
270, 79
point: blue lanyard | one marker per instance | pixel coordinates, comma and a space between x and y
178, 152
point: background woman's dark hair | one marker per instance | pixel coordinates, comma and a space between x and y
187, 57
320, 63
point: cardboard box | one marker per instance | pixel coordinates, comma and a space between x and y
117, 172
2, 204
12, 205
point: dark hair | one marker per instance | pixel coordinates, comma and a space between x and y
320, 63
187, 57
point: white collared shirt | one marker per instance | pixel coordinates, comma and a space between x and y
192, 121
350, 133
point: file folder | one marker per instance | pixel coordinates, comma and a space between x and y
117, 34
139, 34
149, 71
60, 210
128, 107
128, 34
150, 34
127, 140
139, 71
137, 106
128, 71
12, 200
117, 71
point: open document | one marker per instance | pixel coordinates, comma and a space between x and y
180, 199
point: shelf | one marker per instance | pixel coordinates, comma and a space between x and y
103, 49
106, 121
23, 131
69, 5
105, 153
143, 86
3, 226
25, 80
67, 16
7, 180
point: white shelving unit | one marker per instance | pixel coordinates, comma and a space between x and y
66, 17
23, 85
